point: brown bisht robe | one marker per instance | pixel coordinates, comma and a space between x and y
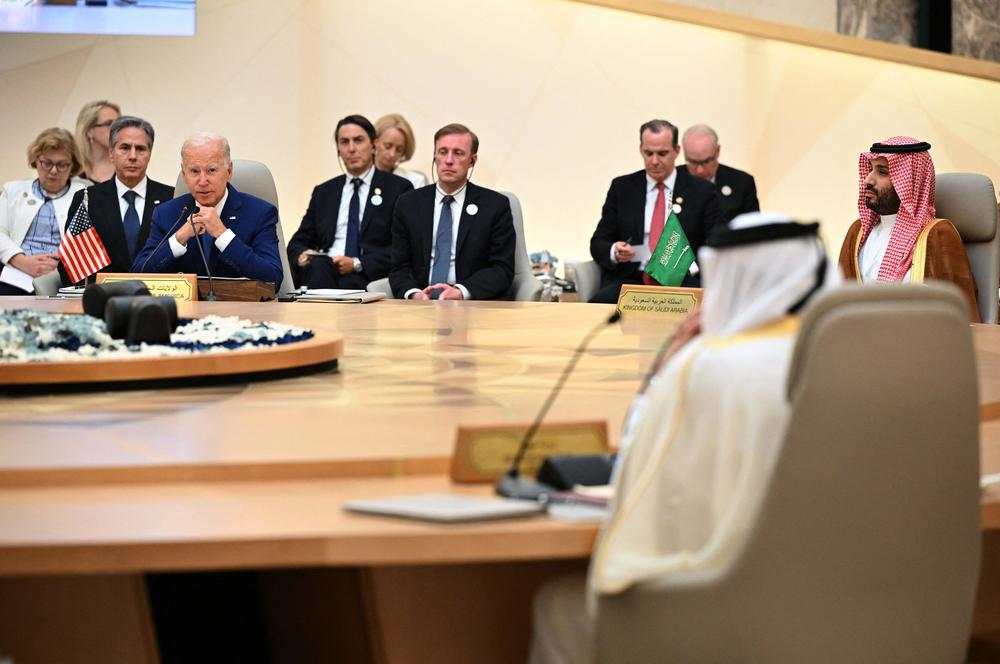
939, 250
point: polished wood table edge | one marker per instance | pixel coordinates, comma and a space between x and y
462, 545
233, 472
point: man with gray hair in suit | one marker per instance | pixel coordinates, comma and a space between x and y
736, 188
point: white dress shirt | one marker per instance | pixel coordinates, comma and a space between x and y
456, 216
651, 195
140, 197
340, 238
221, 242
873, 250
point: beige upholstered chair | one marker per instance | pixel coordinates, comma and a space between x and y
254, 178
866, 548
47, 284
588, 280
969, 201
526, 288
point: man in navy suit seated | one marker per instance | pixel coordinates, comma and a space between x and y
345, 239
453, 240
639, 205
237, 231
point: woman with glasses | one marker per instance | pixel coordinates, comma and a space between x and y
93, 126
33, 212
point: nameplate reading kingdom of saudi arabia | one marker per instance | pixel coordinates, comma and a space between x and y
183, 287
661, 301
484, 453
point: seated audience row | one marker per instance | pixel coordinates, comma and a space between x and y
449, 240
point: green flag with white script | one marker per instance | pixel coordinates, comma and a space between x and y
673, 255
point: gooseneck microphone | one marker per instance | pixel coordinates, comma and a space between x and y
184, 211
210, 297
513, 484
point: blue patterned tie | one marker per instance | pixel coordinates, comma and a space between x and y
131, 224
442, 244
353, 222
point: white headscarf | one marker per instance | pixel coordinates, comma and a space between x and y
752, 284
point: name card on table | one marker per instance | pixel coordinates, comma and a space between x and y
484, 453
182, 287
662, 301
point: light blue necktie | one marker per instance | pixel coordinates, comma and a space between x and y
131, 224
442, 244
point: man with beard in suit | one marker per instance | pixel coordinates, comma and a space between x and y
345, 240
736, 188
453, 240
637, 208
121, 208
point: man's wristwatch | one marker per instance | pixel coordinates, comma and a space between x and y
357, 264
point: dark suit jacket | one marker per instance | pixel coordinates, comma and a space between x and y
484, 255
319, 224
742, 196
622, 217
105, 213
253, 253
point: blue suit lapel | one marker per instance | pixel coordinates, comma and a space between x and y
464, 219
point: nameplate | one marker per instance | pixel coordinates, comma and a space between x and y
183, 287
661, 301
484, 453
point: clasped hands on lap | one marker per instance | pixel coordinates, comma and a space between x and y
345, 264
35, 266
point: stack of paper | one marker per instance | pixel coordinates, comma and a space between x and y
339, 295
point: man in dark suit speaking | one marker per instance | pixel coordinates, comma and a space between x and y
344, 240
237, 231
121, 209
453, 240
638, 206
737, 188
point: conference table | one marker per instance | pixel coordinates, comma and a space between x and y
98, 488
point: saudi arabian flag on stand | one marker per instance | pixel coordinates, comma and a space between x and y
673, 255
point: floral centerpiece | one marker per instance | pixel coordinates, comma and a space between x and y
39, 336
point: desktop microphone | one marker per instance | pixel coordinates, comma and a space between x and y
163, 239
210, 296
513, 484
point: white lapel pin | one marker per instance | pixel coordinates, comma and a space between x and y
376, 199
726, 190
471, 209
232, 219
679, 199
378, 191
156, 202
676, 208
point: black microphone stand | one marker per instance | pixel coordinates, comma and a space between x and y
513, 484
184, 210
210, 296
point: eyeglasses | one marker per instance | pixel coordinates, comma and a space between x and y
61, 166
701, 163
106, 123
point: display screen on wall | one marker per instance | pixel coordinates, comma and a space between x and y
99, 17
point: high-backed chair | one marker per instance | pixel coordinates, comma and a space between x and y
525, 288
969, 201
866, 546
254, 178
588, 280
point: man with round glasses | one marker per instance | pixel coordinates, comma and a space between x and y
737, 188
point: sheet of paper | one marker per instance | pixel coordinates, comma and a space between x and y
642, 253
11, 275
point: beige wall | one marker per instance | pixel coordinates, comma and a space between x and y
555, 89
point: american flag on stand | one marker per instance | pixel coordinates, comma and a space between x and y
82, 253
